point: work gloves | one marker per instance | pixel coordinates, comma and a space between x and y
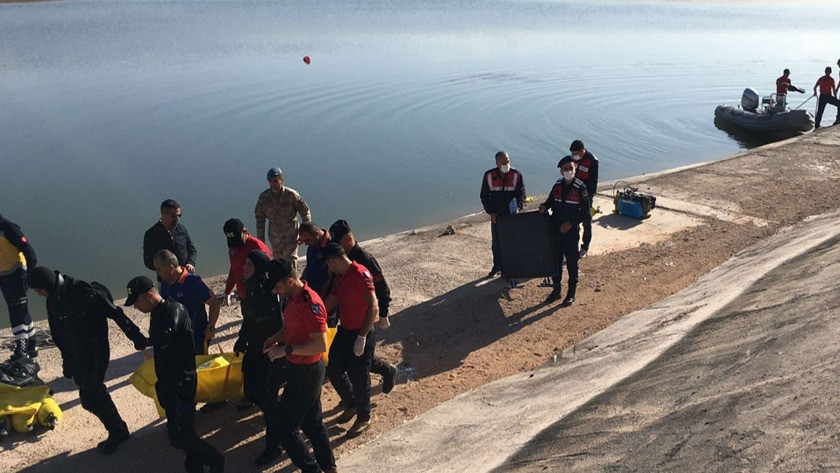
359, 345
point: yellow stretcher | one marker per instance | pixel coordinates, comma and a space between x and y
24, 408
219, 377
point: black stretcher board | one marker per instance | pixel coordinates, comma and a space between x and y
525, 245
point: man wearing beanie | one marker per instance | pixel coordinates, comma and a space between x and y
280, 205
77, 313
302, 343
351, 352
171, 336
262, 377
16, 254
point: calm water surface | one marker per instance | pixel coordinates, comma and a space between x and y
107, 108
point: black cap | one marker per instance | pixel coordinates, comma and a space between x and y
233, 231
278, 270
41, 277
273, 173
136, 287
332, 249
566, 159
577, 145
339, 229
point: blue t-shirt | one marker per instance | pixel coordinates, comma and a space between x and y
191, 291
316, 272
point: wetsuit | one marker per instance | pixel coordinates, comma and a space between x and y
78, 315
171, 335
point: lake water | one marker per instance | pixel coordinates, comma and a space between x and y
109, 107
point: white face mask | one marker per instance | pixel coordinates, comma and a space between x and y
504, 168
568, 175
577, 157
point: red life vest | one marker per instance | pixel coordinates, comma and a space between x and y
582, 172
573, 196
496, 183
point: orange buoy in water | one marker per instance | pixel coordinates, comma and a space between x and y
306, 59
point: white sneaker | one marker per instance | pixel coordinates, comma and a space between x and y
583, 253
384, 323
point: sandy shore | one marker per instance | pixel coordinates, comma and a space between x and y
454, 331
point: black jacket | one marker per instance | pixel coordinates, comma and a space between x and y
264, 317
177, 241
171, 335
77, 314
497, 191
380, 286
569, 202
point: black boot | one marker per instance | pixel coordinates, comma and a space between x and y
32, 347
570, 296
115, 438
272, 452
555, 294
21, 349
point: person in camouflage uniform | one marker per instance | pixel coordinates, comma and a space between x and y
280, 205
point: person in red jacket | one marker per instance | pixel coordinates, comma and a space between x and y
828, 92
783, 85
239, 243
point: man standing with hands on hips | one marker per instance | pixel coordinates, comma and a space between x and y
502, 193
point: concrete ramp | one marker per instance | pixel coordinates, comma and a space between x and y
481, 429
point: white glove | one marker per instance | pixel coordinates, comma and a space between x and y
359, 346
384, 323
226, 301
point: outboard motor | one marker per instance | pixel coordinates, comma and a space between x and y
750, 100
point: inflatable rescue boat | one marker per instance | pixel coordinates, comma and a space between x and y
768, 115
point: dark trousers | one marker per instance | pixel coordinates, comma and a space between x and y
378, 365
262, 380
300, 407
180, 427
494, 245
587, 230
87, 361
14, 289
821, 103
350, 374
566, 248
96, 400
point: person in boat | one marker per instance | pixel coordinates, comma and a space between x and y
828, 95
782, 86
